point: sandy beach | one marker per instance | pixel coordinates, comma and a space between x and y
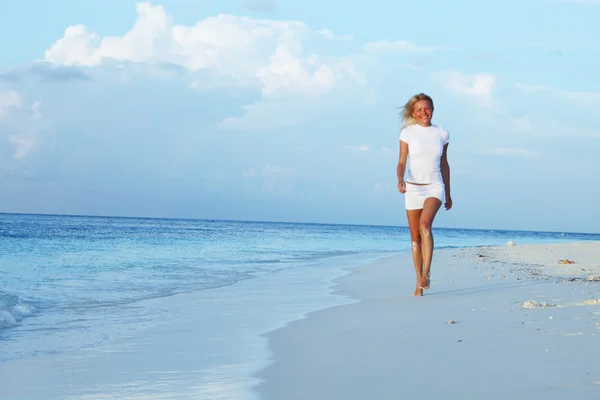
502, 322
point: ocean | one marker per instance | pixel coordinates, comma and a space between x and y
71, 285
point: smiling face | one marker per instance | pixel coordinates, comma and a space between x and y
422, 112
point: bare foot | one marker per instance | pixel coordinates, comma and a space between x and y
418, 291
425, 282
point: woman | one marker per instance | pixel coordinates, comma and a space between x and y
427, 183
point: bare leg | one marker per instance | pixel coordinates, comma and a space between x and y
430, 209
413, 224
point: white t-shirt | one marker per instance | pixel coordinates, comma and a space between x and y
425, 148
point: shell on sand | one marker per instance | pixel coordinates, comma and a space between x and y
591, 302
535, 304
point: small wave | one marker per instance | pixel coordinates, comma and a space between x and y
21, 310
6, 319
13, 310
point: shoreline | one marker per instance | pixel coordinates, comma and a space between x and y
330, 313
189, 346
384, 344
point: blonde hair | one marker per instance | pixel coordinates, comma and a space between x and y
407, 109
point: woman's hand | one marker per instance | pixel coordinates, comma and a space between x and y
448, 203
401, 186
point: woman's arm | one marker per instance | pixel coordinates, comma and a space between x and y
401, 168
445, 170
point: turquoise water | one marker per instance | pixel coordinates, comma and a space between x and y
70, 282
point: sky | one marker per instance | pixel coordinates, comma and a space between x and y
280, 110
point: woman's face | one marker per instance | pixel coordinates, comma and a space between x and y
422, 112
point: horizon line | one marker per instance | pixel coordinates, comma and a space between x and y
281, 222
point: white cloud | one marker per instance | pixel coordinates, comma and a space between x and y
480, 86
23, 145
9, 100
243, 49
360, 148
398, 47
285, 73
20, 128
513, 152
26, 139
275, 57
35, 107
278, 111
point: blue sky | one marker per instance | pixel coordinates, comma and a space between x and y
287, 111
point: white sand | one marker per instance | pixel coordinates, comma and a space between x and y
469, 337
544, 259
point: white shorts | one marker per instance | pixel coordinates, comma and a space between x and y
416, 194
